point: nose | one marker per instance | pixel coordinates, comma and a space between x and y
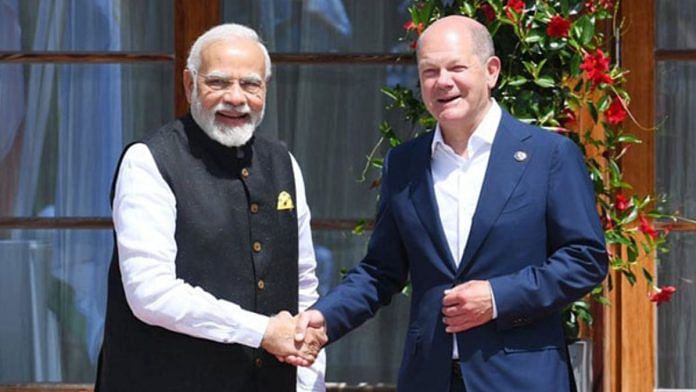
234, 95
444, 80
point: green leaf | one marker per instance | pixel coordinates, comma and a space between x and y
533, 37
604, 102
628, 138
587, 28
630, 276
648, 276
517, 80
545, 82
593, 111
467, 9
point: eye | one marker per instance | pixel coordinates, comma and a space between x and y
459, 68
251, 86
429, 73
217, 83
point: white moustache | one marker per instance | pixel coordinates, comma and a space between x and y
233, 110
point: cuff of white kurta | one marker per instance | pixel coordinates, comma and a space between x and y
250, 328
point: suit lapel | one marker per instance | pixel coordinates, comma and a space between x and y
504, 171
422, 195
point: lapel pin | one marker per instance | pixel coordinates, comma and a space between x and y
285, 201
520, 156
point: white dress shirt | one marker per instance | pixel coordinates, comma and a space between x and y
144, 214
458, 180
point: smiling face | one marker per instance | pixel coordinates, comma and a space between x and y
455, 80
228, 92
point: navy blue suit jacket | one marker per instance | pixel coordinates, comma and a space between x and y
535, 236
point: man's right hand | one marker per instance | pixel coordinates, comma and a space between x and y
280, 341
310, 329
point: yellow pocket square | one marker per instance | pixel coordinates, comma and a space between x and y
285, 201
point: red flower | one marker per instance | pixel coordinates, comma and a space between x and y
608, 4
514, 5
558, 27
615, 114
621, 202
591, 5
408, 26
488, 12
663, 294
608, 223
596, 66
568, 117
647, 228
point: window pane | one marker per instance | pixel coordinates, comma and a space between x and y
676, 137
63, 130
675, 24
324, 25
329, 115
53, 297
675, 143
81, 25
373, 353
676, 345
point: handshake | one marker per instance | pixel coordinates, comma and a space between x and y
295, 340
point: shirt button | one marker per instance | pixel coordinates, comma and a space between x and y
259, 362
261, 284
256, 246
245, 172
254, 208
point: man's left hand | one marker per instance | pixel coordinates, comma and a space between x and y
467, 305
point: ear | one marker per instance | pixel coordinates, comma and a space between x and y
188, 84
492, 71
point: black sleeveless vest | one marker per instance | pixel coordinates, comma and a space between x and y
237, 240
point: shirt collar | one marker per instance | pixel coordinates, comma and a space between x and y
483, 135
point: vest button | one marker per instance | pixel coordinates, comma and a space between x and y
245, 172
261, 284
254, 208
259, 362
256, 246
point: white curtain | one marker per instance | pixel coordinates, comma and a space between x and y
76, 119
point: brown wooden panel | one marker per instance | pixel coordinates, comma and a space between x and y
86, 57
191, 18
35, 223
635, 351
56, 223
342, 58
675, 55
330, 387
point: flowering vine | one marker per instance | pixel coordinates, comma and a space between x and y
554, 74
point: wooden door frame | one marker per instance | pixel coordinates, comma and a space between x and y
628, 346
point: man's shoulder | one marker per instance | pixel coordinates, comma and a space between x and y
412, 148
538, 134
167, 132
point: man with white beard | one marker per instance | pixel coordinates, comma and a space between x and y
210, 221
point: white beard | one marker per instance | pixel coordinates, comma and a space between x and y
227, 136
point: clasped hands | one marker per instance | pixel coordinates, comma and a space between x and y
295, 340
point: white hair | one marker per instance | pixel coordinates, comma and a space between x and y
225, 32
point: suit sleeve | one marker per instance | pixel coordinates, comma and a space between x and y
577, 259
372, 283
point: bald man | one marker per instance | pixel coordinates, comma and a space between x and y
495, 223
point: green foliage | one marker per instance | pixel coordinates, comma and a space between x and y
554, 72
